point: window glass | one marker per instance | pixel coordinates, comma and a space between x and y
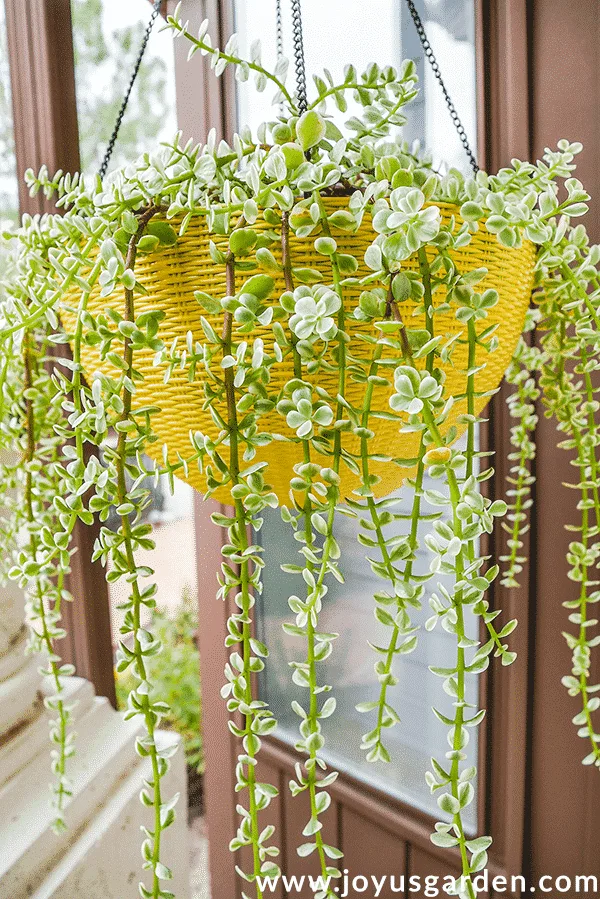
383, 31
348, 611
9, 195
9, 203
107, 35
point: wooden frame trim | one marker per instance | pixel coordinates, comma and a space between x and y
220, 761
40, 51
504, 121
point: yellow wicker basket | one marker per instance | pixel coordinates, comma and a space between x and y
171, 277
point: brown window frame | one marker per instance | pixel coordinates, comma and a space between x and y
42, 75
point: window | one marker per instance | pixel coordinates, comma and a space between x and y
9, 203
383, 31
9, 199
107, 35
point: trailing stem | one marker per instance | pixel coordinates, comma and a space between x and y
120, 548
242, 670
575, 415
455, 543
307, 617
460, 701
47, 618
521, 404
457, 601
581, 557
401, 582
481, 608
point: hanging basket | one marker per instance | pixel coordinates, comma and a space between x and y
171, 277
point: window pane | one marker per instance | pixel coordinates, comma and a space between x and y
348, 611
381, 31
450, 27
9, 203
107, 35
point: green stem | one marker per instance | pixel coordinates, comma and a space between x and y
584, 673
566, 414
523, 399
590, 461
242, 523
393, 574
457, 602
313, 713
236, 60
60, 791
470, 455
76, 394
121, 454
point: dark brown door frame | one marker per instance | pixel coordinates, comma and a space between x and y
564, 821
40, 49
503, 61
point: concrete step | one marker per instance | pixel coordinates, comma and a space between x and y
19, 695
105, 755
104, 861
30, 737
14, 657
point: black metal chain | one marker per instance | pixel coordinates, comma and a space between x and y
138, 62
279, 29
436, 71
300, 65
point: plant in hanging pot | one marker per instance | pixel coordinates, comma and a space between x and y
306, 318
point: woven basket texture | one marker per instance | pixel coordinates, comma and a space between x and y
173, 274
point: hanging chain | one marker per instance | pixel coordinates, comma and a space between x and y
279, 30
436, 71
299, 55
138, 62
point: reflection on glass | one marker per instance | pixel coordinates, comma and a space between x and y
107, 35
9, 204
348, 611
380, 31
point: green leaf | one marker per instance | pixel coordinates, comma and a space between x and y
313, 827
259, 285
310, 129
164, 232
449, 804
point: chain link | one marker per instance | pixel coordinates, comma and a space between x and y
300, 65
436, 71
279, 29
138, 62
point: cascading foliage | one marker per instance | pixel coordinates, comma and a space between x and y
75, 439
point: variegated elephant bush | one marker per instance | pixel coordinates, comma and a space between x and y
315, 359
